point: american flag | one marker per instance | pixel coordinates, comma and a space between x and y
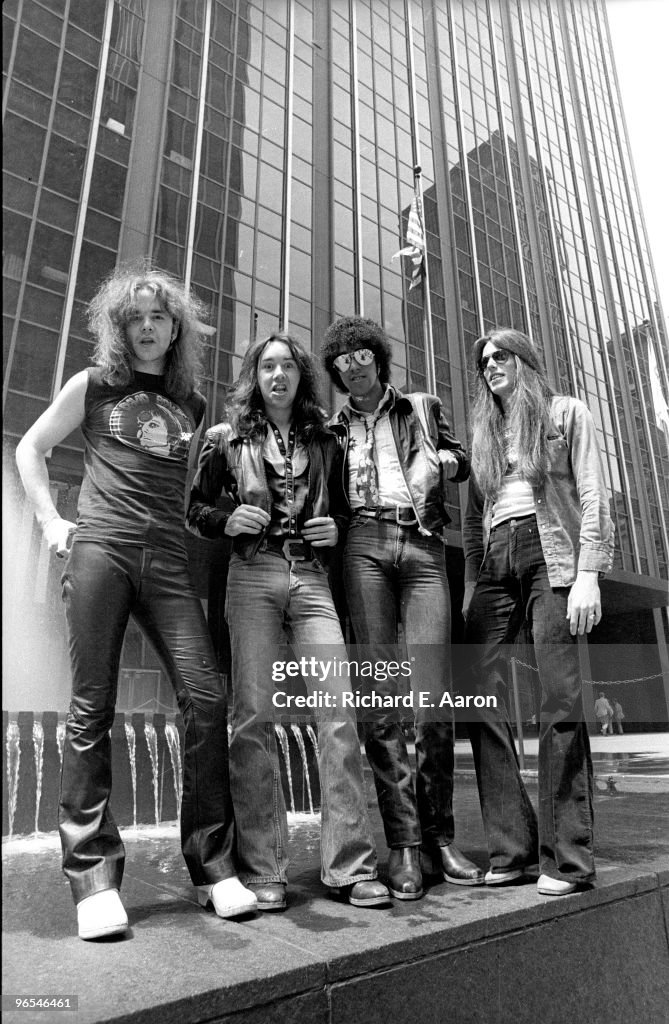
416, 242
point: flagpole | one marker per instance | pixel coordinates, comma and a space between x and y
428, 342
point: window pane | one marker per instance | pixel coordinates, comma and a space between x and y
64, 167
36, 61
77, 84
23, 144
107, 186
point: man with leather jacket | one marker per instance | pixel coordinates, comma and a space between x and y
280, 469
399, 450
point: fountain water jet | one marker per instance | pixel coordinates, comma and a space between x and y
314, 739
152, 743
174, 747
60, 741
38, 752
297, 733
285, 750
131, 740
13, 748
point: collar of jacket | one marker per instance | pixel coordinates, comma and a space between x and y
397, 400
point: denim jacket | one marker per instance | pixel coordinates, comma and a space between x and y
572, 506
233, 467
412, 418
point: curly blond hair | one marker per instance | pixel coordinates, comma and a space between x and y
109, 312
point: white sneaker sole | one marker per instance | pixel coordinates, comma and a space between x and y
555, 888
503, 877
103, 933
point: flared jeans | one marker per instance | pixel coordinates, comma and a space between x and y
271, 602
393, 573
513, 589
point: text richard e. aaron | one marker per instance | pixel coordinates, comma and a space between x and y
324, 694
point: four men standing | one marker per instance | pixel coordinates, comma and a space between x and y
537, 535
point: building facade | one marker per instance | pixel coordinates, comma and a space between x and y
264, 150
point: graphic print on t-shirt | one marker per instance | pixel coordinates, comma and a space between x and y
152, 423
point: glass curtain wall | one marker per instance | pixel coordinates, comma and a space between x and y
277, 180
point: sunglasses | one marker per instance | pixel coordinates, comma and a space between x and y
499, 356
362, 356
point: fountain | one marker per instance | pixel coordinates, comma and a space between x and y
34, 745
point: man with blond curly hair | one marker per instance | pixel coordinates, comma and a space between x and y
126, 556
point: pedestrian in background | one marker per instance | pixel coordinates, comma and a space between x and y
604, 714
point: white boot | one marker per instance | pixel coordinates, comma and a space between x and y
229, 898
101, 914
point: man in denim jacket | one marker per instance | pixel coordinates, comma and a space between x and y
537, 534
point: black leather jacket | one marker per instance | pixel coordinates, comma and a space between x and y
412, 417
232, 467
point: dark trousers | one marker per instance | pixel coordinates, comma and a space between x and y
393, 572
512, 588
102, 586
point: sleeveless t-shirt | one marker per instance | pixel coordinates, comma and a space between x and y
136, 462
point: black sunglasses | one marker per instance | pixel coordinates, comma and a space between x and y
499, 356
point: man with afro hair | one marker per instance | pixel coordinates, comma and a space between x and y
399, 451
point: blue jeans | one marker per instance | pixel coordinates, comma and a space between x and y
393, 572
271, 601
512, 588
102, 586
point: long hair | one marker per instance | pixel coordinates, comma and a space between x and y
349, 333
526, 423
246, 408
109, 312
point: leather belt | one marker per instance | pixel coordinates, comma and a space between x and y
403, 515
514, 521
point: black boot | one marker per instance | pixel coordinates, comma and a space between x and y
270, 895
452, 864
404, 875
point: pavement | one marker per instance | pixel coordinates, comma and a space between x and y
460, 954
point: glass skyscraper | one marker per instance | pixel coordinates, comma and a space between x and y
264, 150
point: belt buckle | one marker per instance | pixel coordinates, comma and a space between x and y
294, 549
404, 522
